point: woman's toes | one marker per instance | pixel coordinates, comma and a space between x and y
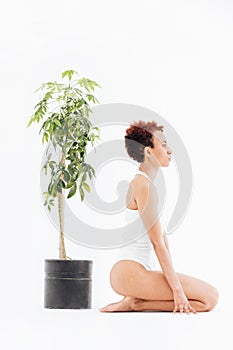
119, 306
102, 309
109, 307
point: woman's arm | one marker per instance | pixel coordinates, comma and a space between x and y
166, 240
181, 302
146, 197
161, 248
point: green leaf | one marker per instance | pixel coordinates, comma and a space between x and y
51, 128
57, 122
51, 164
84, 177
46, 123
92, 98
30, 122
68, 73
72, 190
89, 173
86, 186
50, 188
76, 176
81, 193
70, 184
46, 136
64, 74
54, 190
66, 176
83, 82
45, 169
79, 92
61, 183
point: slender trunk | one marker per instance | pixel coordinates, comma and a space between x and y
62, 250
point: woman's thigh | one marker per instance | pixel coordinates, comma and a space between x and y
130, 278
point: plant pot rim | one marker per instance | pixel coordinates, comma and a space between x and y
67, 260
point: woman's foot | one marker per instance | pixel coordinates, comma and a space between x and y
124, 305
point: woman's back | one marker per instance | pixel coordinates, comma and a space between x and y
141, 249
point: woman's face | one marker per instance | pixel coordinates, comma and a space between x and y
161, 151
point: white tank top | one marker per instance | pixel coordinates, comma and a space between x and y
131, 214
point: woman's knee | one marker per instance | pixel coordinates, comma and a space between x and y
211, 299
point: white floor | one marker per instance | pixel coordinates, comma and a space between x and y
87, 329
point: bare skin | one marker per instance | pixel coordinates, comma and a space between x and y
145, 290
165, 290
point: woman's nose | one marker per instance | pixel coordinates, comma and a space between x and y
169, 150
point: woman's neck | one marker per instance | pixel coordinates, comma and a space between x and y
151, 172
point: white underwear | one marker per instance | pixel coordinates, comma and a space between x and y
140, 250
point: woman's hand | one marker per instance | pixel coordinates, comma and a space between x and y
181, 303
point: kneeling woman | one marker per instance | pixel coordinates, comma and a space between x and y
132, 275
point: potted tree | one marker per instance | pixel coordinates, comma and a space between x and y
65, 111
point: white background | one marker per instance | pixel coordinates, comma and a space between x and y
174, 57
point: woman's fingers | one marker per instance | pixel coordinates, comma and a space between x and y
192, 309
175, 309
184, 309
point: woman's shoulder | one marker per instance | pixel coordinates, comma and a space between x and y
140, 182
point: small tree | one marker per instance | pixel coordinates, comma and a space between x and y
66, 109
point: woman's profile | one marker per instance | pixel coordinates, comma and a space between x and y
132, 275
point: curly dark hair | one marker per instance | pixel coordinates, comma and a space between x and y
138, 136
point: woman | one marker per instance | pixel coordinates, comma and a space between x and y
142, 287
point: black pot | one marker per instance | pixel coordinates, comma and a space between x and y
68, 284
